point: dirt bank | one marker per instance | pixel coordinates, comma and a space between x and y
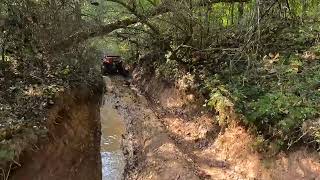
71, 149
214, 152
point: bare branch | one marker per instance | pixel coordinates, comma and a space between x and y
106, 29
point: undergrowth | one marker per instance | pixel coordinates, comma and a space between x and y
277, 95
280, 102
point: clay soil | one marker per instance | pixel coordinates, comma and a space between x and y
71, 150
169, 137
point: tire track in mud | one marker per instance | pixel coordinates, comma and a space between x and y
149, 151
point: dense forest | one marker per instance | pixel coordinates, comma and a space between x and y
259, 59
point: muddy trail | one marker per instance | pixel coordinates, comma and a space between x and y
167, 140
148, 150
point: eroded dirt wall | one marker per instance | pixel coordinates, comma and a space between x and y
213, 151
71, 150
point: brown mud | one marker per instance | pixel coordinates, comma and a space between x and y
171, 136
149, 151
164, 134
71, 150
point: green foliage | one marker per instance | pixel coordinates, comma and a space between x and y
168, 70
285, 111
6, 154
259, 144
222, 104
230, 50
222, 46
278, 104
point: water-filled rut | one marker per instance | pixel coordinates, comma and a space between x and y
112, 127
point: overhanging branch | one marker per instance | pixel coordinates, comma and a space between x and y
106, 29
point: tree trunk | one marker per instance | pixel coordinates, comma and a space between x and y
240, 9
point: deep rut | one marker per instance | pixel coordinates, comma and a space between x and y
149, 151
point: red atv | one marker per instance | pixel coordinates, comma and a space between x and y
113, 65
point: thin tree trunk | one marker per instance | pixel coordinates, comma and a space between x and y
3, 48
78, 17
289, 8
232, 14
208, 20
240, 10
258, 19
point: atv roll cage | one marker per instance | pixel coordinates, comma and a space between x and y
112, 64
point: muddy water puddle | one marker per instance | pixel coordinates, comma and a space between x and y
112, 127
